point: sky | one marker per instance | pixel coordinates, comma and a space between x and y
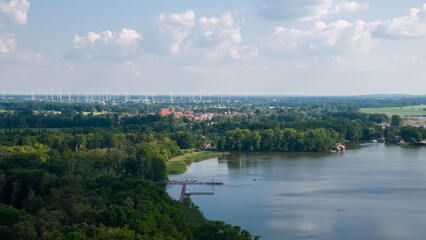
239, 47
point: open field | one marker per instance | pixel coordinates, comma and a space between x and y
96, 113
402, 111
178, 164
3, 111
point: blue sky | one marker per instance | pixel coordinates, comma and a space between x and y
275, 47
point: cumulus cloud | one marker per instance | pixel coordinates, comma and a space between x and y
352, 6
214, 30
304, 10
412, 25
171, 31
340, 36
206, 39
180, 36
14, 11
105, 45
7, 43
219, 38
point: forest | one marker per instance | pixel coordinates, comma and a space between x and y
95, 185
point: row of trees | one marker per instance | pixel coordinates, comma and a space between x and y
29, 120
353, 130
279, 140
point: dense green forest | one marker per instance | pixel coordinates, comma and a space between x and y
94, 185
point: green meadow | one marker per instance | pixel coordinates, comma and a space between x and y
402, 111
178, 164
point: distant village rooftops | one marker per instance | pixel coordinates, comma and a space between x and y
191, 115
418, 125
166, 111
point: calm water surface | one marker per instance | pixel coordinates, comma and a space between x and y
375, 192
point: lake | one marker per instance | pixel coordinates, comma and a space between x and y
374, 192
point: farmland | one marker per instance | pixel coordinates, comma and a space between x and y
402, 111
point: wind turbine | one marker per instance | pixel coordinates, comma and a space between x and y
53, 90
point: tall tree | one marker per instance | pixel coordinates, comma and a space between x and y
396, 121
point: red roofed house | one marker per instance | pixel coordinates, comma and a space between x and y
166, 111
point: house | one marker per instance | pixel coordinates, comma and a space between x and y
166, 111
207, 146
338, 147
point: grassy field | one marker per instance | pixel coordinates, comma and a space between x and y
3, 111
96, 113
178, 164
402, 111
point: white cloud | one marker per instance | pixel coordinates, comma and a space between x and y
171, 30
105, 45
304, 10
7, 43
351, 6
23, 57
14, 11
412, 25
213, 30
206, 40
30, 57
9, 51
219, 38
178, 37
323, 39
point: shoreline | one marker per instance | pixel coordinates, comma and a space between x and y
178, 165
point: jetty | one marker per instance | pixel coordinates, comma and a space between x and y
189, 183
186, 192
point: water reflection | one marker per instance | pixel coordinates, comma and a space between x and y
375, 192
